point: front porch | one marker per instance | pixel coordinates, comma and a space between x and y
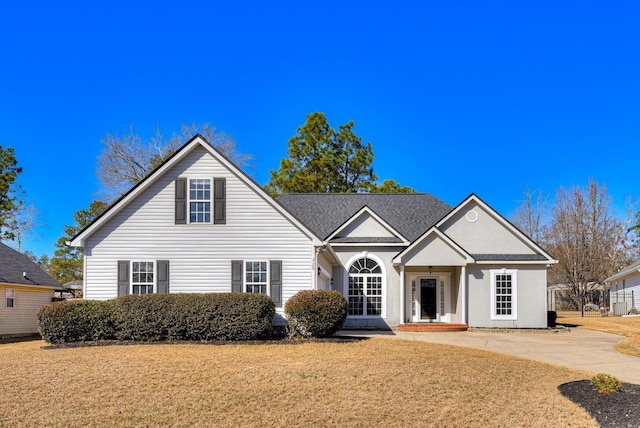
432, 327
433, 299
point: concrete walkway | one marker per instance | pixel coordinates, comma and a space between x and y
575, 348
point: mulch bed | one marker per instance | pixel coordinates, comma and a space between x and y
620, 409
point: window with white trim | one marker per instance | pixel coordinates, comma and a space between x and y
142, 277
504, 294
365, 291
10, 295
200, 200
256, 277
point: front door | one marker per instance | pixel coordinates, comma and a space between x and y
428, 298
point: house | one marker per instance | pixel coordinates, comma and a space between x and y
24, 288
199, 224
624, 290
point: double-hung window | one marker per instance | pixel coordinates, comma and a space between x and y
142, 277
200, 200
10, 295
504, 294
256, 277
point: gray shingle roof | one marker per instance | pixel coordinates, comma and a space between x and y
13, 264
410, 214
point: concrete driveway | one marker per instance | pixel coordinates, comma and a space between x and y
575, 348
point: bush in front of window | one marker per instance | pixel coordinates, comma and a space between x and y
316, 313
159, 317
142, 317
76, 321
210, 316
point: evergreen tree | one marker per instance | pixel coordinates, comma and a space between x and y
9, 171
66, 264
322, 160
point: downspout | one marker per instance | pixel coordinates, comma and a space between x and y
463, 281
315, 268
402, 293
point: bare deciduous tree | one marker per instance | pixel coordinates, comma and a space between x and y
126, 160
585, 236
531, 216
21, 224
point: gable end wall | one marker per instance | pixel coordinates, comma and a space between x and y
200, 255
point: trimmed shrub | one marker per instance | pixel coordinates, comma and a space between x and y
210, 316
605, 384
316, 313
158, 317
75, 321
142, 318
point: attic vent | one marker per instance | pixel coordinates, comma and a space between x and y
472, 216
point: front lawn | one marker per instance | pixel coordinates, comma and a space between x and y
376, 382
624, 326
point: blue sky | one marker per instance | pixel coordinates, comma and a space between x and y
456, 97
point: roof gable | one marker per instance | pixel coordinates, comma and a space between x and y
366, 226
16, 268
483, 232
434, 248
196, 142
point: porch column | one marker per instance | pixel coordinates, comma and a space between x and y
463, 287
402, 302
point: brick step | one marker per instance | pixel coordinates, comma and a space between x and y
432, 327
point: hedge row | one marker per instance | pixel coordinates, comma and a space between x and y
316, 313
157, 317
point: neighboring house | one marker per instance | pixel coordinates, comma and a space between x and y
24, 288
199, 224
624, 290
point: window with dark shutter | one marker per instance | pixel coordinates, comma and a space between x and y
236, 276
219, 201
181, 201
275, 282
123, 277
163, 276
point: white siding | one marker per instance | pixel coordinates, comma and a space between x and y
625, 294
22, 318
200, 254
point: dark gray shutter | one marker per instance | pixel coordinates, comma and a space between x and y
123, 277
219, 201
275, 269
236, 276
181, 201
163, 276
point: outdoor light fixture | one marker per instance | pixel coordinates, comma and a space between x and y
430, 268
